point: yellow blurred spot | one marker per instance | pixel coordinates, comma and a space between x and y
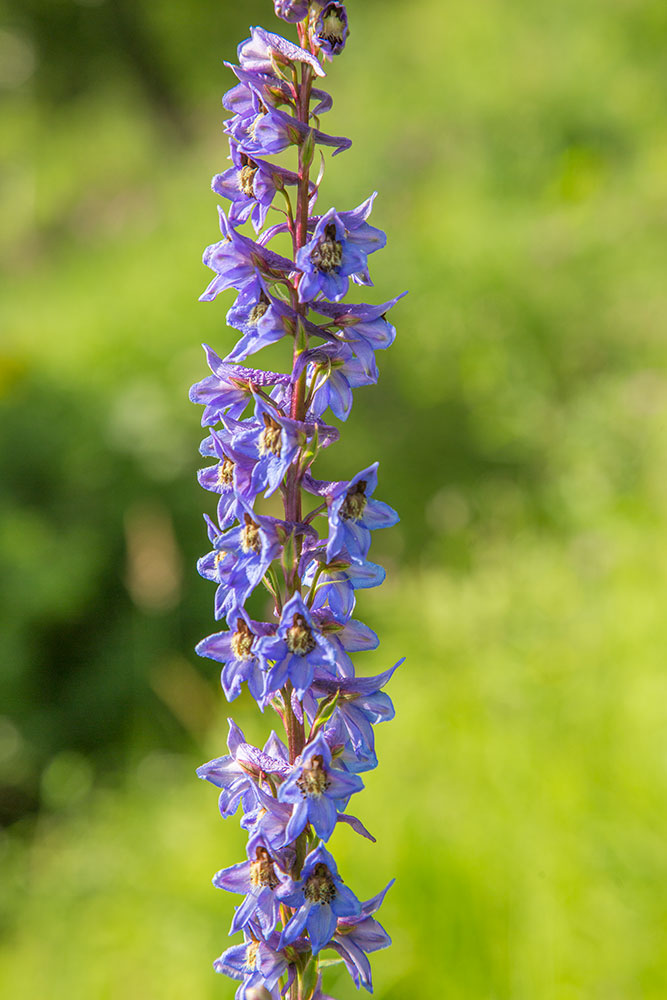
153, 574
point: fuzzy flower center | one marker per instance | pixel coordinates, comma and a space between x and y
257, 119
226, 472
319, 887
251, 954
247, 177
262, 874
354, 504
314, 779
258, 310
328, 254
250, 537
270, 438
299, 637
242, 640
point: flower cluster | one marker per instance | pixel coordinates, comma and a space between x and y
265, 430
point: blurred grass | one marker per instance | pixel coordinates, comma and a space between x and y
519, 151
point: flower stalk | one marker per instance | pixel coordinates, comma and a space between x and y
265, 431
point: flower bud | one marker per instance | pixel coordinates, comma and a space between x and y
291, 10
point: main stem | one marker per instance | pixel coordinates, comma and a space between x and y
296, 737
293, 506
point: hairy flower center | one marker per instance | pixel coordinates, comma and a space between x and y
242, 640
319, 887
258, 310
247, 177
250, 537
251, 954
262, 874
354, 504
328, 254
299, 637
226, 472
333, 26
270, 438
256, 120
314, 779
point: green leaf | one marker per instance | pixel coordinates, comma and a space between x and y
326, 710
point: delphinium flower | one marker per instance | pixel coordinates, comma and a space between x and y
264, 432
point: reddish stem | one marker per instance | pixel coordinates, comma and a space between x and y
292, 499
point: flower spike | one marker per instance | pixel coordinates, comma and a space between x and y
264, 433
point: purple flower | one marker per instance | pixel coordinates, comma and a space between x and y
237, 651
351, 637
255, 90
237, 261
357, 935
331, 29
271, 131
360, 705
261, 318
355, 759
240, 771
274, 440
338, 249
291, 10
254, 545
333, 371
260, 53
335, 582
218, 567
228, 389
231, 477
268, 818
256, 878
353, 514
319, 898
296, 649
364, 327
256, 962
239, 559
317, 791
251, 186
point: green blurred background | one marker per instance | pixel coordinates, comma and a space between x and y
520, 152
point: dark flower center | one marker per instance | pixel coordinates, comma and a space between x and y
328, 254
354, 504
226, 472
258, 310
314, 779
333, 25
250, 537
299, 637
269, 439
247, 176
262, 874
319, 887
242, 640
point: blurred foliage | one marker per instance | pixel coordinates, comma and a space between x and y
520, 154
